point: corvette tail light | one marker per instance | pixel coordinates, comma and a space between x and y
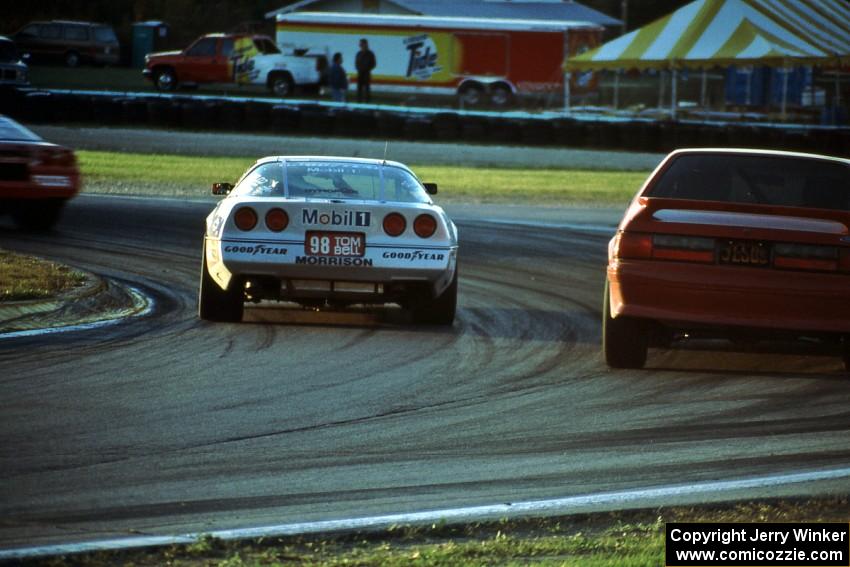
245, 218
394, 224
683, 248
277, 220
808, 257
425, 226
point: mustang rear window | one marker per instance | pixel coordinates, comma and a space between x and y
311, 179
15, 132
769, 180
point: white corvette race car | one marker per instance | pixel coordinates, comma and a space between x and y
328, 231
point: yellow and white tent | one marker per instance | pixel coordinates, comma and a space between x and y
706, 33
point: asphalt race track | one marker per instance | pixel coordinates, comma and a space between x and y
164, 424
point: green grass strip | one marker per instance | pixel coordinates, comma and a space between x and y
614, 539
187, 176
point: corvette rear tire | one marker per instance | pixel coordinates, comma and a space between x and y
624, 339
440, 310
216, 304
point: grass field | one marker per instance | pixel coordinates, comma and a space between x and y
25, 277
616, 539
182, 176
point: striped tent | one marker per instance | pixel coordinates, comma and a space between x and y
706, 33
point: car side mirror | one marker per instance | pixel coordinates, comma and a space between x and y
25, 56
430, 188
222, 188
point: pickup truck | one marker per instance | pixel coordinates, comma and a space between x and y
233, 58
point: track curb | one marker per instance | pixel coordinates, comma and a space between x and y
96, 300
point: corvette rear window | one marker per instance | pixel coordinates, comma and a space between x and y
770, 180
313, 179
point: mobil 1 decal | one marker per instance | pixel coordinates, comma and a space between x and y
336, 218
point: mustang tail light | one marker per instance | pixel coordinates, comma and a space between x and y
810, 257
277, 220
58, 157
245, 218
641, 245
425, 226
632, 245
394, 224
683, 248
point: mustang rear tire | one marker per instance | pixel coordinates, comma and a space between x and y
216, 304
624, 339
845, 352
439, 310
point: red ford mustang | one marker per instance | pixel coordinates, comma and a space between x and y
36, 177
731, 243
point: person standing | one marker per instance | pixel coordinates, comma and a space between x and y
337, 79
364, 62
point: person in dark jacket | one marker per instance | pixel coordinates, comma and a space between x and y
337, 79
364, 62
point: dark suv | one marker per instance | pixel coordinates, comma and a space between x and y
71, 42
13, 71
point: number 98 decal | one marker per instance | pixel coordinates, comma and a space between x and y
318, 243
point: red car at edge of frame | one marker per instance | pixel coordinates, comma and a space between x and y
731, 243
36, 177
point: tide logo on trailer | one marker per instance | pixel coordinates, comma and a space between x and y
422, 57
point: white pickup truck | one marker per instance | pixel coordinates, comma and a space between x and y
234, 58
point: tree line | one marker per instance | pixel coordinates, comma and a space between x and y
188, 19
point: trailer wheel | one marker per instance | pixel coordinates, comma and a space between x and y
72, 59
501, 96
281, 84
471, 94
165, 79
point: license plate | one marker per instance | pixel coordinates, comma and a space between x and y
319, 243
744, 253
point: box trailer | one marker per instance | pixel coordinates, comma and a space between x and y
481, 61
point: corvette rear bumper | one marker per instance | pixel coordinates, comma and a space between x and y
287, 262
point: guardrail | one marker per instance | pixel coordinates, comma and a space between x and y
312, 118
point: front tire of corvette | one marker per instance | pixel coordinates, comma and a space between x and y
216, 304
624, 339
